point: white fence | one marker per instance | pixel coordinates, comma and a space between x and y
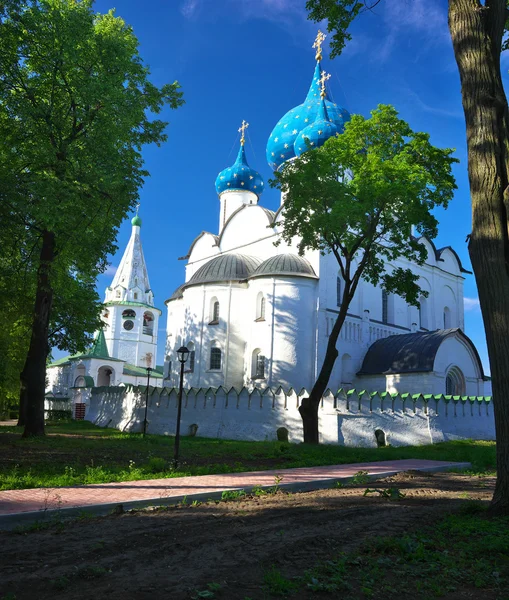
347, 417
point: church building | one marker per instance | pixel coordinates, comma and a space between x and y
254, 314
126, 345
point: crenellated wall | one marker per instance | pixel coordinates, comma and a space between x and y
347, 418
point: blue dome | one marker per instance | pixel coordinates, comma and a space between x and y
240, 177
317, 133
280, 146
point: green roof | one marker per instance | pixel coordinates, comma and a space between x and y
89, 382
60, 362
136, 221
129, 303
99, 347
142, 372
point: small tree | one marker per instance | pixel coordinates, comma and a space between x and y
75, 106
358, 196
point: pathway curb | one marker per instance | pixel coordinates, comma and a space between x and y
13, 521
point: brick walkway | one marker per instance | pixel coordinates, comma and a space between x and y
17, 506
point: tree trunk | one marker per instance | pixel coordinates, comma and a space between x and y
22, 406
309, 406
33, 376
476, 33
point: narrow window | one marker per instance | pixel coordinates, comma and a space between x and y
148, 323
338, 291
385, 306
136, 295
447, 317
260, 307
214, 312
260, 366
191, 360
215, 359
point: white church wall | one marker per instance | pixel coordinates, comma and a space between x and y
204, 248
247, 226
293, 316
454, 353
349, 420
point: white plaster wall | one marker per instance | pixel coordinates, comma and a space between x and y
257, 416
131, 346
205, 247
453, 352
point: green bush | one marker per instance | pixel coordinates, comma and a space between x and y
58, 415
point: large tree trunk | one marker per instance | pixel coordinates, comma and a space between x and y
33, 376
309, 406
476, 33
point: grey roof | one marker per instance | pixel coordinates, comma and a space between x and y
178, 293
409, 353
227, 267
285, 264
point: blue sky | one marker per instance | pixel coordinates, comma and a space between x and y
252, 60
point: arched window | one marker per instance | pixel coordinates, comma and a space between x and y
423, 313
385, 307
118, 293
339, 298
214, 311
447, 317
260, 307
79, 372
258, 365
148, 323
191, 359
215, 359
128, 314
346, 369
455, 382
104, 376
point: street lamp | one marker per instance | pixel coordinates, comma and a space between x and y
149, 370
182, 355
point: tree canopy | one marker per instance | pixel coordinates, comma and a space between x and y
76, 109
359, 196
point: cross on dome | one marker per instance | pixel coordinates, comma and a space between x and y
318, 45
325, 77
242, 131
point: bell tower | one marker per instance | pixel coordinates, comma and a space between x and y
129, 314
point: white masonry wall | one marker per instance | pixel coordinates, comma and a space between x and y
348, 420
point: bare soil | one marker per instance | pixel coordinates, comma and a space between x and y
172, 553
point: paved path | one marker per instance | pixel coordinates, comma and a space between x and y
22, 506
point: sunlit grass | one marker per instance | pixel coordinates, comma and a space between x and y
78, 452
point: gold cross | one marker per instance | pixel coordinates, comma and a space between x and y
325, 77
318, 44
242, 131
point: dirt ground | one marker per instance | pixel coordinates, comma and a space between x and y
170, 554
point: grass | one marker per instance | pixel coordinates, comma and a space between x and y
77, 452
465, 553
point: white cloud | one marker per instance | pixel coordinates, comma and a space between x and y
189, 8
110, 270
436, 110
471, 304
406, 17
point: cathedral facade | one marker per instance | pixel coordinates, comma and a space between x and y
255, 314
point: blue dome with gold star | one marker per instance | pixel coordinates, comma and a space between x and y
240, 176
316, 134
280, 146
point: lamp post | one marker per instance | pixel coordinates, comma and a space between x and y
149, 370
182, 354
